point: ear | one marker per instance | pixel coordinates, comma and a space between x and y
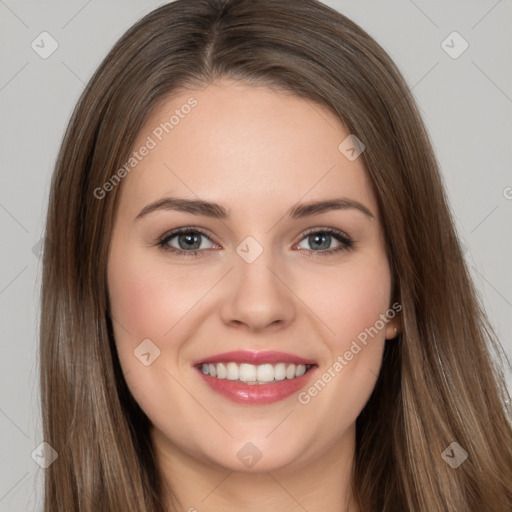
393, 328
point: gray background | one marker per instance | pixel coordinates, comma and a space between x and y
466, 103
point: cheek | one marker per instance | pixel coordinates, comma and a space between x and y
357, 303
365, 297
147, 300
146, 304
150, 301
362, 327
349, 299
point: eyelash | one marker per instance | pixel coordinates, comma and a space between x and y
346, 242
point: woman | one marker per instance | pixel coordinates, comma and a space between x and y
255, 371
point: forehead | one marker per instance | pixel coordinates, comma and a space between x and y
244, 146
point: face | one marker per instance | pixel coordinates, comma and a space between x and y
219, 310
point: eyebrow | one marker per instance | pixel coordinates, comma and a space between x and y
216, 211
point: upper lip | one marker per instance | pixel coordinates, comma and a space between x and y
254, 357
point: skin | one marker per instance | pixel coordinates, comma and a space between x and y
258, 153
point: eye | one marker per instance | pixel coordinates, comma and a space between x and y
189, 241
322, 239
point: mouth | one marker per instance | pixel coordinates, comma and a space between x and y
252, 374
255, 377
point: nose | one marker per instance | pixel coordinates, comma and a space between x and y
258, 296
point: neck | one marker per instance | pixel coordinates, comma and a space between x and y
317, 485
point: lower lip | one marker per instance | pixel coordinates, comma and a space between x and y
257, 393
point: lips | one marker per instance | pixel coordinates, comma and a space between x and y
256, 358
256, 392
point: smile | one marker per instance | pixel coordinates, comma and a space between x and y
255, 377
252, 374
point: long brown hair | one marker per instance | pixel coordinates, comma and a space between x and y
438, 382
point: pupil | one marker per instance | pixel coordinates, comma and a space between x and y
318, 237
191, 241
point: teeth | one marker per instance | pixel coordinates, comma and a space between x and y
290, 371
247, 373
301, 370
265, 373
222, 372
252, 374
280, 371
232, 369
